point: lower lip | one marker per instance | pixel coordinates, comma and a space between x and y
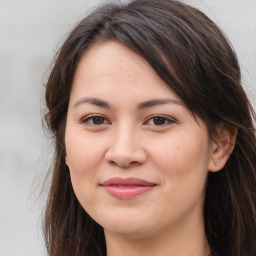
127, 191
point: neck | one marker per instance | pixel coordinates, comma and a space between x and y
188, 239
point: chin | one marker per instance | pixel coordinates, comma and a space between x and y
128, 231
126, 225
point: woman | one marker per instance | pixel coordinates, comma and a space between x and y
154, 137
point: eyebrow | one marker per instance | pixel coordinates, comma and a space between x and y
142, 105
94, 101
155, 102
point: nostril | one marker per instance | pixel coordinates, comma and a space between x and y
125, 157
124, 164
134, 163
113, 162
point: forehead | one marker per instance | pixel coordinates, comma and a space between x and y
110, 66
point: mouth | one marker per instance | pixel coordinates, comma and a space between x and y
127, 188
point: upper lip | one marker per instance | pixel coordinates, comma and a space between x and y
127, 182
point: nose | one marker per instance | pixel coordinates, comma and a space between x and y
125, 148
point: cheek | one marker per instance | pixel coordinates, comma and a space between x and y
183, 163
83, 159
83, 154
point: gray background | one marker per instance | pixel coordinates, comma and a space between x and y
30, 33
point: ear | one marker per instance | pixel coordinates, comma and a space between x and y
222, 147
66, 160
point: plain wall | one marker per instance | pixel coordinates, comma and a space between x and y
30, 33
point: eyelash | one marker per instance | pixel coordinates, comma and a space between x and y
91, 118
166, 119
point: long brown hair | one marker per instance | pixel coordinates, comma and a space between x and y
192, 56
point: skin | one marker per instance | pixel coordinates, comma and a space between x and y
126, 140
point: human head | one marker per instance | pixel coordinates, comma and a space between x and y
193, 57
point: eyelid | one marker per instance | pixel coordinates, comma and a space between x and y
170, 120
87, 118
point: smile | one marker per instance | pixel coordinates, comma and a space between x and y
127, 188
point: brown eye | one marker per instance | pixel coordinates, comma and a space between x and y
95, 120
159, 121
98, 120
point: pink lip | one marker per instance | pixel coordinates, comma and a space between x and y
127, 187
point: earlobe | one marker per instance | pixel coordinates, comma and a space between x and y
66, 160
222, 147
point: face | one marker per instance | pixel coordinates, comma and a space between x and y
138, 158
